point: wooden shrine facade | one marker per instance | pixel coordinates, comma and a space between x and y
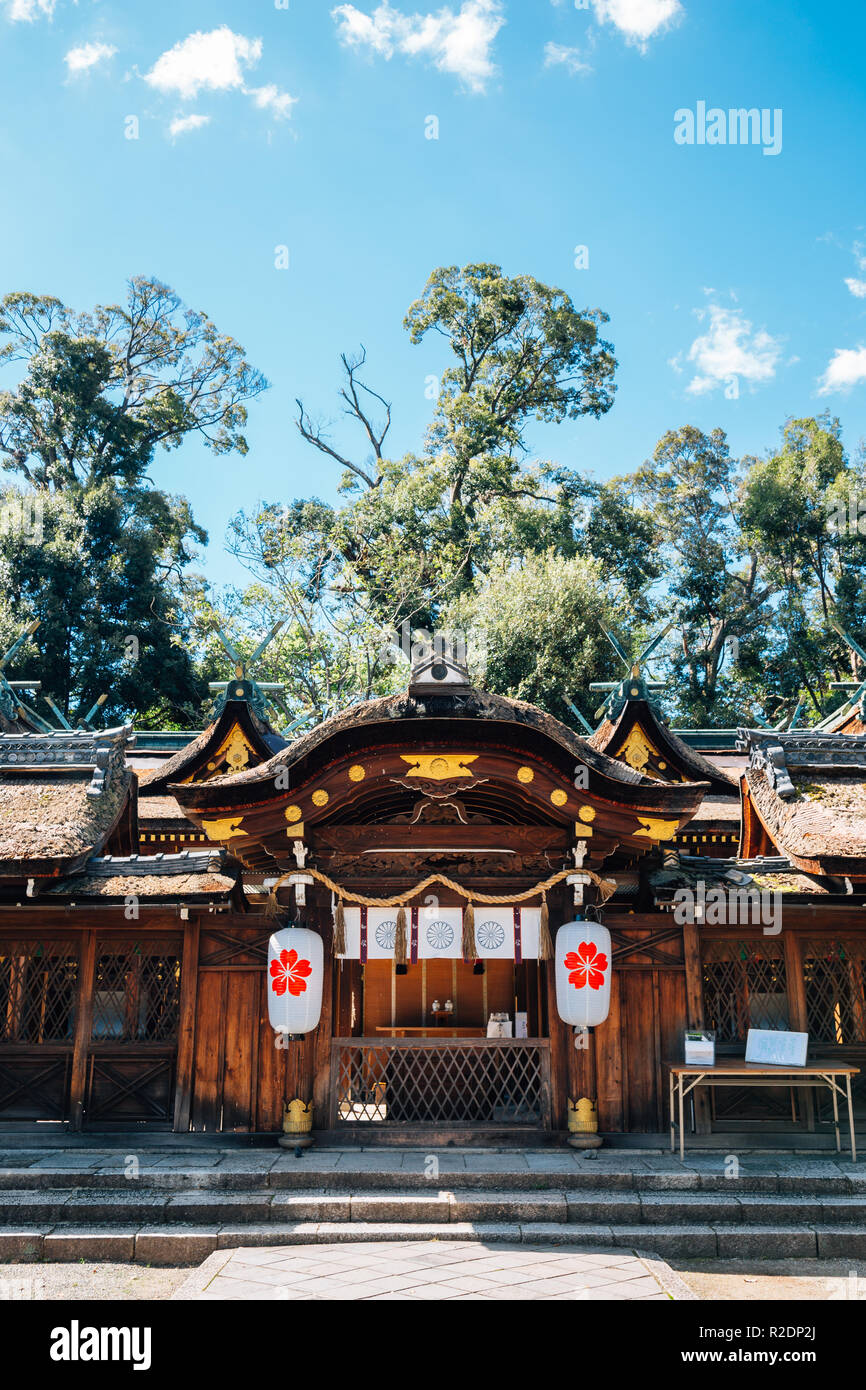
134, 987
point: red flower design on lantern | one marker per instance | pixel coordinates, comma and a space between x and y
289, 973
587, 966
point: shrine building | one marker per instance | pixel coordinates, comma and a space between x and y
434, 840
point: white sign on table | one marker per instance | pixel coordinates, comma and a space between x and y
776, 1048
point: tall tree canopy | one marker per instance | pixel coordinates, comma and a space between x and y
100, 393
415, 532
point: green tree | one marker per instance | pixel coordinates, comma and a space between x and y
539, 626
99, 394
713, 585
800, 510
414, 532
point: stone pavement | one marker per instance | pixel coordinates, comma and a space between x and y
432, 1270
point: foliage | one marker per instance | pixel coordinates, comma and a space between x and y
101, 391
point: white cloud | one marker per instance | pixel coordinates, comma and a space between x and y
857, 287
556, 54
638, 20
459, 42
270, 98
181, 124
216, 62
86, 56
27, 10
213, 61
846, 368
730, 349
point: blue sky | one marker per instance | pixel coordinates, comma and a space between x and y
735, 279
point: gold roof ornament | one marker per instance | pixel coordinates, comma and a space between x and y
636, 749
657, 829
439, 767
227, 829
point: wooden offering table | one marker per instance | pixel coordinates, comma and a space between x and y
684, 1077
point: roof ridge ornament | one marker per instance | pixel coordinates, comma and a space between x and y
633, 686
439, 663
259, 695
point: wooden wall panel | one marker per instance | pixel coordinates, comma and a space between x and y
639, 1023
672, 1013
408, 995
240, 1064
277, 1069
377, 995
206, 1110
609, 1063
440, 983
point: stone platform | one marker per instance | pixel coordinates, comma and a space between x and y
183, 1203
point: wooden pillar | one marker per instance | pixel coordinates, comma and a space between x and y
83, 1028
798, 1018
320, 1045
695, 1013
560, 1037
186, 1026
582, 1074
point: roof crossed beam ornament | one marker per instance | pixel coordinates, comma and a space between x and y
633, 686
261, 695
14, 707
856, 689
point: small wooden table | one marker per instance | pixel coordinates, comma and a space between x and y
736, 1072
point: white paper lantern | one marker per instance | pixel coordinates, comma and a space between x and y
583, 968
295, 970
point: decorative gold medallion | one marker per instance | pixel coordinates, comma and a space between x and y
294, 813
320, 798
357, 773
525, 774
439, 767
558, 796
587, 813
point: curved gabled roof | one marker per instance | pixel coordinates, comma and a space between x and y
612, 734
511, 762
183, 766
438, 713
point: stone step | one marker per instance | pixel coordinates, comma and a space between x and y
404, 1173
188, 1243
441, 1206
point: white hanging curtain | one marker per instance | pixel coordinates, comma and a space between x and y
501, 933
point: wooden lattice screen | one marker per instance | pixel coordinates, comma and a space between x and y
136, 991
745, 986
446, 1081
38, 983
834, 971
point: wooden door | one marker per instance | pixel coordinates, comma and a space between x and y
644, 1027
